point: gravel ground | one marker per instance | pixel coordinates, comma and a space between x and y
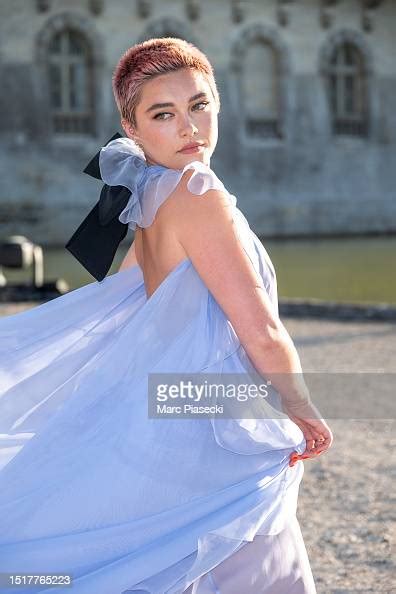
347, 503
347, 500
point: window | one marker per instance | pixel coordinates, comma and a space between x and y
70, 77
347, 88
260, 89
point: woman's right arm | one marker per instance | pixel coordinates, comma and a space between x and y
207, 233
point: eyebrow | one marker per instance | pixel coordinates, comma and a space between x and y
158, 105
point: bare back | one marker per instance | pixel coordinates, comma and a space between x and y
157, 249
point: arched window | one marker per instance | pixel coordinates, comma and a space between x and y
347, 90
70, 78
260, 90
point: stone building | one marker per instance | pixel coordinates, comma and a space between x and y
307, 129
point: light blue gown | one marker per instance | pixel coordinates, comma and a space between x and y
92, 487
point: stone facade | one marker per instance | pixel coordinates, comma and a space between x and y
297, 160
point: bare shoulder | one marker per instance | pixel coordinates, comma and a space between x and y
184, 204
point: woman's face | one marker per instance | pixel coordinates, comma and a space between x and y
189, 116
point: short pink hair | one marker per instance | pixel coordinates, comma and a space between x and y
151, 58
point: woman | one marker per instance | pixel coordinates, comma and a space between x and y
97, 481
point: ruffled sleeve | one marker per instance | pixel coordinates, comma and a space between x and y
159, 183
122, 163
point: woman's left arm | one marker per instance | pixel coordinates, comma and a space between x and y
130, 258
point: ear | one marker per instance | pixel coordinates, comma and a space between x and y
129, 131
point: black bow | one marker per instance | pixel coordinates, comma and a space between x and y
96, 240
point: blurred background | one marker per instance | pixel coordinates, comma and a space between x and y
307, 128
307, 144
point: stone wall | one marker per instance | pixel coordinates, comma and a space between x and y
307, 182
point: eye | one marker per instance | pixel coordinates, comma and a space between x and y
202, 103
156, 117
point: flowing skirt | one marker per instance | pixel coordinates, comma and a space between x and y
90, 485
271, 564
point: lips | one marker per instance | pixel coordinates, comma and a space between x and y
191, 146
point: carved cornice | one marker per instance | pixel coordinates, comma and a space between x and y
96, 6
282, 12
326, 16
43, 5
193, 9
169, 26
238, 11
143, 8
368, 7
371, 4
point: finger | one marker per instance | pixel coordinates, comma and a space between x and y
310, 444
294, 458
324, 443
321, 450
302, 457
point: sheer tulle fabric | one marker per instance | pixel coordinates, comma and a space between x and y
121, 164
89, 485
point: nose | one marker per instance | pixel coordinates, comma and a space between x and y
188, 128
